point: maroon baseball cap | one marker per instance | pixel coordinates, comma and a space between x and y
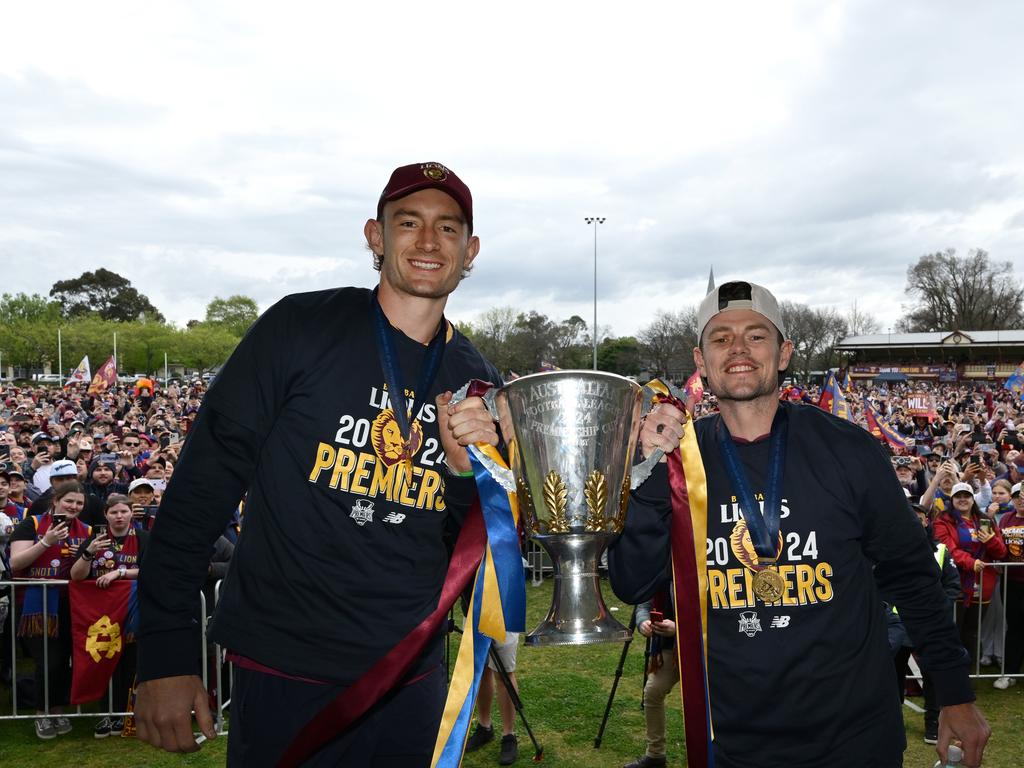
412, 178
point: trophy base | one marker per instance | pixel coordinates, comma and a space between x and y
578, 614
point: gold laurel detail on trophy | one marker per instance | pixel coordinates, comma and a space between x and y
555, 496
533, 523
617, 523
595, 491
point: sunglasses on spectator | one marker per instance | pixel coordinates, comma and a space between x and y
127, 444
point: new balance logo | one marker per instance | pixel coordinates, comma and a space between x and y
394, 517
779, 622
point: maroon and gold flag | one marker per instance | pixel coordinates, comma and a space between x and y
694, 390
98, 635
879, 426
105, 377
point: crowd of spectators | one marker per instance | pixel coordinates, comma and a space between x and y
963, 464
81, 480
103, 461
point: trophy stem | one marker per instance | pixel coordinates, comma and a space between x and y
578, 613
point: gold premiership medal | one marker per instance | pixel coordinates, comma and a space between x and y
768, 585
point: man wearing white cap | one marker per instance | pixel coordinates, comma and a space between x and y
49, 478
806, 524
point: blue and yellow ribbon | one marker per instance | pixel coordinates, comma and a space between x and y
497, 605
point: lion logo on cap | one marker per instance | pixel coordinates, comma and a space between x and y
435, 172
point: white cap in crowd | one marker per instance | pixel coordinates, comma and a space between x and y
140, 482
961, 488
63, 468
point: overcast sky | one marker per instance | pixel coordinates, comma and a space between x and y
211, 148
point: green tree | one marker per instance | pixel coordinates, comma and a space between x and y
203, 346
22, 306
235, 313
106, 293
28, 330
28, 343
141, 346
965, 294
620, 355
570, 346
93, 336
531, 342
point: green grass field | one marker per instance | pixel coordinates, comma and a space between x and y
564, 693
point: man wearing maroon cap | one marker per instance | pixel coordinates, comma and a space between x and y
325, 419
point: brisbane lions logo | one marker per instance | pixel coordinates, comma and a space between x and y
743, 548
386, 438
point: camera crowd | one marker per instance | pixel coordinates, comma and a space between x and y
81, 480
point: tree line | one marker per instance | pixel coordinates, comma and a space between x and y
946, 292
90, 309
525, 342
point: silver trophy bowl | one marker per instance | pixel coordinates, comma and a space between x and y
571, 438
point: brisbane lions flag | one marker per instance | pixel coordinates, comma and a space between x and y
99, 631
105, 378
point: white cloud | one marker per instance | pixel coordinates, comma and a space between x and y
213, 148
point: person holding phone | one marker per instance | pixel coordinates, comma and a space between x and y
973, 543
910, 473
936, 497
659, 627
110, 554
141, 495
45, 547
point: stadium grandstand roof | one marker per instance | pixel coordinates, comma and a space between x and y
1010, 338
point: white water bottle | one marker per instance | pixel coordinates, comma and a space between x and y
953, 757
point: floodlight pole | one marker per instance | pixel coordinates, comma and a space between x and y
595, 220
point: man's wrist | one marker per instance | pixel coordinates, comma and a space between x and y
453, 470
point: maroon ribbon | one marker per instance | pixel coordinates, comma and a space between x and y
354, 701
689, 631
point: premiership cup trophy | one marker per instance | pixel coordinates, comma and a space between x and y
571, 437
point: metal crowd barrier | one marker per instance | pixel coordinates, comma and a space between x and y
10, 589
539, 562
535, 556
977, 654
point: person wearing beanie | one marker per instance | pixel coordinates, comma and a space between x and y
101, 481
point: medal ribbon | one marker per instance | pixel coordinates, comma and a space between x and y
358, 698
392, 368
689, 495
498, 603
763, 526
